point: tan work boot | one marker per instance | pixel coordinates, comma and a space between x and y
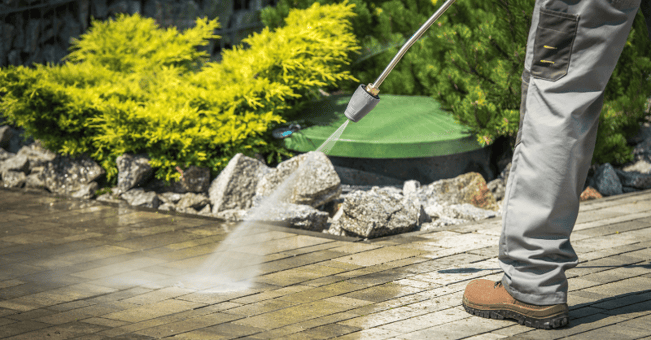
490, 299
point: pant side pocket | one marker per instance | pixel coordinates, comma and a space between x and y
553, 44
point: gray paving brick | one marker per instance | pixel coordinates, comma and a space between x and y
21, 327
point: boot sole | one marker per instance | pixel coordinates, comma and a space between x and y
548, 323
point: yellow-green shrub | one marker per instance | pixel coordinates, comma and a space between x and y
129, 86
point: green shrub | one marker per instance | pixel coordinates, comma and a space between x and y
129, 86
472, 59
478, 75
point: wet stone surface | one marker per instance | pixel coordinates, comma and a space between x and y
72, 268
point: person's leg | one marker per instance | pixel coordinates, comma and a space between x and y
556, 140
572, 50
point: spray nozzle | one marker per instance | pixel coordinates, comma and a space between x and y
363, 101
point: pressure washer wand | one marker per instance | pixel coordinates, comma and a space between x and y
366, 97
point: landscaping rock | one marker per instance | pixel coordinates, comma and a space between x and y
590, 193
34, 180
167, 207
18, 163
36, 154
13, 179
195, 179
296, 215
133, 171
376, 213
313, 180
606, 180
87, 191
109, 197
410, 187
634, 179
497, 188
4, 155
139, 198
642, 151
65, 175
505, 173
640, 166
6, 132
233, 215
467, 188
235, 186
170, 197
193, 201
465, 212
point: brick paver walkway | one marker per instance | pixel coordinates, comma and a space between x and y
89, 270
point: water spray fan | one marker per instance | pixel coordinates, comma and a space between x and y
366, 97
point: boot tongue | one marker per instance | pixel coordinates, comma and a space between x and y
497, 284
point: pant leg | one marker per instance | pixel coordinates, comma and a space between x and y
572, 50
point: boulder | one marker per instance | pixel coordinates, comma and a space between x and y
467, 188
590, 193
194, 179
139, 198
377, 213
133, 171
13, 179
641, 166
296, 215
606, 180
505, 173
497, 188
410, 187
232, 215
36, 154
170, 197
193, 201
6, 132
4, 155
308, 179
65, 174
18, 163
34, 180
634, 179
167, 207
235, 186
109, 197
464, 212
642, 151
87, 191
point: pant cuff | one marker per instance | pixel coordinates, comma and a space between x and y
534, 299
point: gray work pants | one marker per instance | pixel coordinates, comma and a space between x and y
572, 50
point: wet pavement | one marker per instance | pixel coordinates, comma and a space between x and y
73, 269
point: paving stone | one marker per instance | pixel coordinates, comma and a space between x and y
618, 331
221, 331
187, 325
631, 311
329, 331
21, 327
152, 310
292, 315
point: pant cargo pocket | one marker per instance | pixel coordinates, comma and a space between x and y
553, 44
